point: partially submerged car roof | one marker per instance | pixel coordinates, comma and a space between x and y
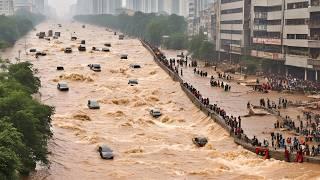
105, 148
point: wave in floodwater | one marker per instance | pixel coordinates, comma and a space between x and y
144, 147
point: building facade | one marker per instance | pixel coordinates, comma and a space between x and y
6, 7
97, 7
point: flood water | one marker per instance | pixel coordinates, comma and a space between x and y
144, 147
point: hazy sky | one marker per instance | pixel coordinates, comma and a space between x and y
63, 6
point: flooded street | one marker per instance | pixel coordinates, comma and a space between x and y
144, 147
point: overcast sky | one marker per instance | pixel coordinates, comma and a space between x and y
62, 6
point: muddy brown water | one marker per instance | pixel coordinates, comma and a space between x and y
145, 148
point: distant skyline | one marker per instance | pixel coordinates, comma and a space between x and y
62, 7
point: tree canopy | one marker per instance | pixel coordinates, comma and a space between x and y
14, 27
24, 122
150, 27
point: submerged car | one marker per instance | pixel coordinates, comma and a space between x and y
60, 68
200, 141
107, 44
105, 152
155, 113
133, 82
33, 50
92, 104
82, 47
41, 53
73, 38
95, 67
135, 66
42, 35
124, 56
62, 86
121, 37
57, 34
68, 50
105, 49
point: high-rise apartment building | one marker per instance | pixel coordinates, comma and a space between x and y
97, 6
6, 7
284, 31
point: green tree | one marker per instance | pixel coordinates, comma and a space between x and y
11, 147
207, 50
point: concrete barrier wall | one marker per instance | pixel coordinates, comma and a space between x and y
279, 155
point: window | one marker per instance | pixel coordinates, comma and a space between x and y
301, 36
274, 8
232, 22
291, 36
265, 34
231, 31
296, 21
226, 42
229, 1
230, 11
297, 5
297, 36
301, 51
274, 22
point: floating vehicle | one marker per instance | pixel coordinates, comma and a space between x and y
133, 82
41, 53
42, 35
68, 50
95, 67
60, 68
100, 49
124, 56
82, 47
105, 152
107, 44
121, 37
135, 66
105, 49
57, 34
200, 141
73, 38
93, 104
62, 86
155, 113
50, 33
83, 42
33, 50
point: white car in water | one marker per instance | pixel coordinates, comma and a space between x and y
155, 112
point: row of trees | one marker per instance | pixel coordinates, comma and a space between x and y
24, 122
150, 27
170, 31
14, 27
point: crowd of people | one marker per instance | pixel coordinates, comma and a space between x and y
224, 76
280, 83
283, 103
217, 83
200, 72
234, 123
